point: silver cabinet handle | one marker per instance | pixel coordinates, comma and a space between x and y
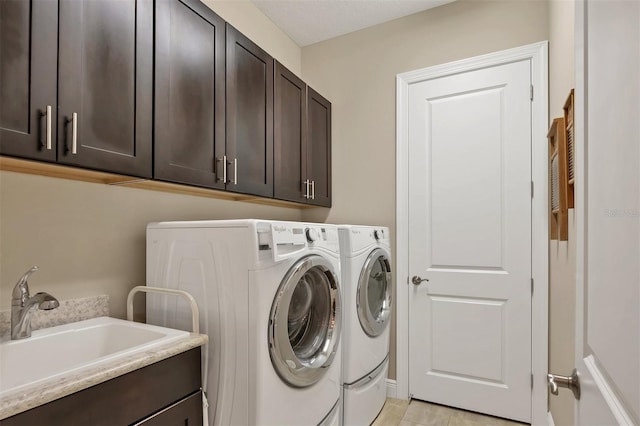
416, 280
313, 189
571, 382
74, 133
225, 175
306, 190
235, 171
48, 127
224, 169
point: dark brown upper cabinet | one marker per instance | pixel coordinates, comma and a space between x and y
249, 116
302, 141
105, 85
163, 89
290, 180
319, 148
190, 94
28, 76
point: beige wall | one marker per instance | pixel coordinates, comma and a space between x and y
562, 254
89, 239
357, 73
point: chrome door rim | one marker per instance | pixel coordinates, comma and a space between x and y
372, 323
293, 370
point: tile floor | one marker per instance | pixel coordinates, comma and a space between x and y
397, 412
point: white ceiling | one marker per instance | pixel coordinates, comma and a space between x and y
311, 21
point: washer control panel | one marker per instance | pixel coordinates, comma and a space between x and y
290, 237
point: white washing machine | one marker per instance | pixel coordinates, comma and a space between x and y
270, 300
367, 288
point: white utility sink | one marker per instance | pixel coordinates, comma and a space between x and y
54, 352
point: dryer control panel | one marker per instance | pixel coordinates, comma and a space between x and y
357, 239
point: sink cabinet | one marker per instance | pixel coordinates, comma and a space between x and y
82, 94
166, 392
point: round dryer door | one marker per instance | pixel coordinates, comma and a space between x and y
305, 322
374, 293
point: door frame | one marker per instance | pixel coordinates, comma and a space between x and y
538, 54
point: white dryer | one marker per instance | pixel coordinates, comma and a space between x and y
270, 300
367, 288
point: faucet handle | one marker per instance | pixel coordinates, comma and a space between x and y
21, 290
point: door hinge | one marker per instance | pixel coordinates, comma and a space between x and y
531, 92
531, 189
531, 380
531, 285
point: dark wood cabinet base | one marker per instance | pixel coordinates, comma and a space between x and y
128, 399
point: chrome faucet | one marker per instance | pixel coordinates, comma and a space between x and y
22, 306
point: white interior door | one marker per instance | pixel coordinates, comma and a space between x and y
469, 138
608, 212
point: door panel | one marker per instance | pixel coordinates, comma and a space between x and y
105, 77
249, 115
319, 168
290, 135
608, 204
467, 208
470, 222
463, 348
189, 137
28, 76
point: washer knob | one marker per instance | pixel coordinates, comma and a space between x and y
311, 234
377, 234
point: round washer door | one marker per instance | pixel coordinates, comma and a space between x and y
305, 322
374, 293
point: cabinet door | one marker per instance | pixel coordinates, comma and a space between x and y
105, 85
189, 103
290, 136
249, 116
319, 150
186, 412
28, 61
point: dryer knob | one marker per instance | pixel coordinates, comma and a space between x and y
377, 234
312, 235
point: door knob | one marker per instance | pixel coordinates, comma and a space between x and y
570, 382
416, 280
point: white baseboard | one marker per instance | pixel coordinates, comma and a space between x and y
550, 419
392, 389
